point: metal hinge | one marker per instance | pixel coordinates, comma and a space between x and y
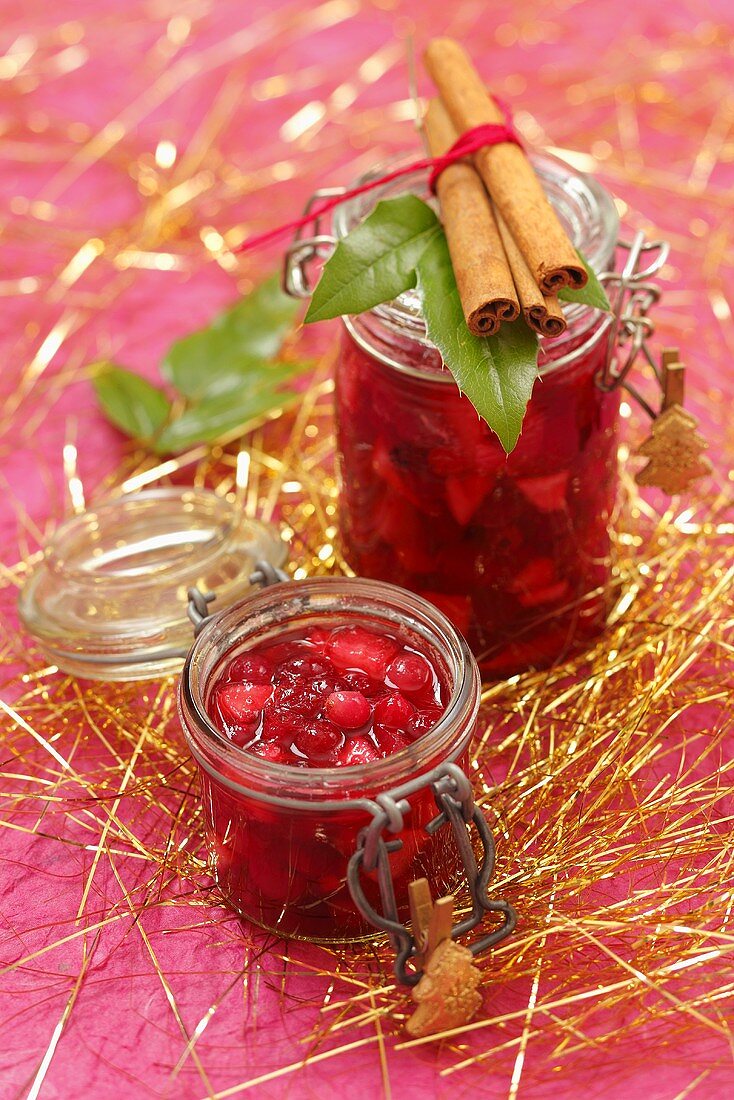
454, 799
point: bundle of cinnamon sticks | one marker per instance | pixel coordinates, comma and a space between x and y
508, 249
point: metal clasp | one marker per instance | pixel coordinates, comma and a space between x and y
632, 295
454, 799
263, 575
319, 245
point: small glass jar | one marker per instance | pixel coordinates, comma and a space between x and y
281, 837
324, 854
514, 549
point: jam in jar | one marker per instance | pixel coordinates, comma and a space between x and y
515, 549
336, 697
301, 705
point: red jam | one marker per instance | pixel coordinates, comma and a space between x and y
315, 715
514, 549
328, 698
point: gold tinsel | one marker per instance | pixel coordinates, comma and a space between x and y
608, 780
609, 795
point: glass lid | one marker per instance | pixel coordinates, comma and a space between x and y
109, 599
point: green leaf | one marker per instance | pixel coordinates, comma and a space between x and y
254, 376
215, 417
238, 341
377, 260
261, 321
131, 403
497, 373
592, 294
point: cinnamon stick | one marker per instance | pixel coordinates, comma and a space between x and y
483, 275
506, 171
542, 312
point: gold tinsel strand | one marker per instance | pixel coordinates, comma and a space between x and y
609, 794
612, 833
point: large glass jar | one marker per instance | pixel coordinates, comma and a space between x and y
514, 549
280, 836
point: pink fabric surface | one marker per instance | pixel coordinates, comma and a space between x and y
644, 88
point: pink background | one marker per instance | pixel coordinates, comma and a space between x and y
107, 1005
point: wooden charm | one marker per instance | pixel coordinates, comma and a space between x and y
447, 995
442, 921
421, 910
674, 448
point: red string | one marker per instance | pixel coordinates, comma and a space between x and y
470, 142
491, 133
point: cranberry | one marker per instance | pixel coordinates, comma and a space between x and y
252, 667
320, 866
423, 721
240, 703
243, 735
358, 681
280, 651
397, 521
353, 648
304, 696
386, 464
393, 711
408, 672
273, 751
280, 725
459, 460
390, 741
358, 750
301, 667
546, 493
465, 494
318, 740
552, 593
348, 709
538, 571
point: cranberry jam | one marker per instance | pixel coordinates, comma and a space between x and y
328, 698
301, 705
514, 549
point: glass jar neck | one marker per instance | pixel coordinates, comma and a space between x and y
417, 357
293, 605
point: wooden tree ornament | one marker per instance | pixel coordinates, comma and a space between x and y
674, 448
447, 994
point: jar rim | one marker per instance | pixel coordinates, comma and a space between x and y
444, 377
311, 597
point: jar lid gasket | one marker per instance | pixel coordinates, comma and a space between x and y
108, 600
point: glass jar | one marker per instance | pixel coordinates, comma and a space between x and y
281, 837
514, 549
